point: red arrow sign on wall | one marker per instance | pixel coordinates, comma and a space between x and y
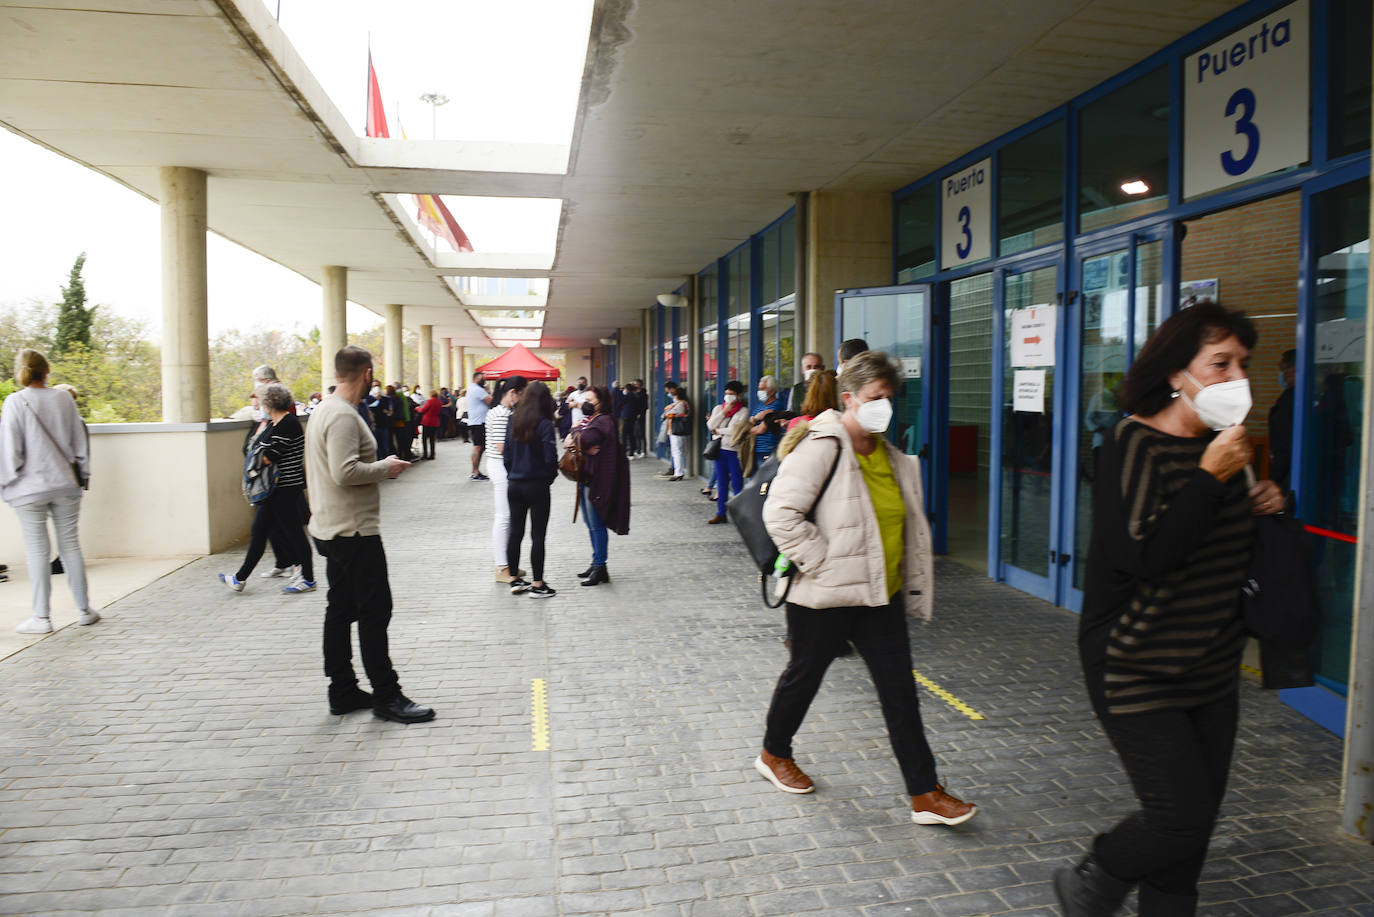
1034, 340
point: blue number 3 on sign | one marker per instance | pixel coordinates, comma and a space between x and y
1243, 99
964, 247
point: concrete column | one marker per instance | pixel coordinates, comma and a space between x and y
848, 245
393, 365
446, 363
464, 376
1357, 787
426, 353
334, 321
801, 209
185, 322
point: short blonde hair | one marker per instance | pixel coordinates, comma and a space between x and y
30, 366
869, 366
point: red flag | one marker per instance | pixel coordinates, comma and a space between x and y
376, 115
434, 215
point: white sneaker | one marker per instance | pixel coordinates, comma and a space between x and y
89, 616
35, 625
278, 571
232, 581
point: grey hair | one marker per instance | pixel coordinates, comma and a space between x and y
869, 366
273, 396
264, 373
768, 382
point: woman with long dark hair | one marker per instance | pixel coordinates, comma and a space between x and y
1160, 637
531, 460
605, 493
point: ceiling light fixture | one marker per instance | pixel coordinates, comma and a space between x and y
1135, 187
671, 300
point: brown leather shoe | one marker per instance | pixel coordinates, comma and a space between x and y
939, 808
715, 520
783, 773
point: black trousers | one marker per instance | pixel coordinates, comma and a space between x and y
429, 436
880, 636
1178, 761
530, 497
358, 591
280, 519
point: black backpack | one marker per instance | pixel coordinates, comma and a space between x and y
745, 510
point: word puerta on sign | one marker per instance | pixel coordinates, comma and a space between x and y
966, 215
1246, 102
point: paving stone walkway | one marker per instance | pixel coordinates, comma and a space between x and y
178, 758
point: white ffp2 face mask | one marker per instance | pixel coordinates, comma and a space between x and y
763, 395
1221, 405
730, 397
807, 374
874, 416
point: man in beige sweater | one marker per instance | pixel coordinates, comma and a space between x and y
345, 505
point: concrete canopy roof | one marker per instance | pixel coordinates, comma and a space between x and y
695, 124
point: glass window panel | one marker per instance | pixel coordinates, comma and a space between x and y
1105, 285
787, 339
737, 275
684, 361
787, 256
769, 242
1030, 190
1027, 438
970, 417
737, 349
1124, 137
708, 293
916, 235
1350, 77
1334, 416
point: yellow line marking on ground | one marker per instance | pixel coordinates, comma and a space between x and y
945, 696
540, 709
1252, 670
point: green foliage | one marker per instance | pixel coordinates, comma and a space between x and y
74, 320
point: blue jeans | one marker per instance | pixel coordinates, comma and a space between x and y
597, 528
729, 478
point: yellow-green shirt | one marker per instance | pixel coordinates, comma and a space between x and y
886, 494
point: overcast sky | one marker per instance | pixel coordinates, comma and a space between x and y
513, 72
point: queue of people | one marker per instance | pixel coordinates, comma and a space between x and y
1160, 637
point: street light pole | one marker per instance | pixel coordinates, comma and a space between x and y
435, 99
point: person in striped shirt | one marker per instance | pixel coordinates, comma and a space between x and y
1161, 635
282, 515
498, 418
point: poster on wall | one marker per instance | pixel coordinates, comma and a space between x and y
1246, 102
966, 215
1028, 391
1033, 335
1192, 292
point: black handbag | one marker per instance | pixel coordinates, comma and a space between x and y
1279, 601
745, 510
712, 450
680, 425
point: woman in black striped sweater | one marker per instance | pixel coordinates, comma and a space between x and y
282, 515
1161, 636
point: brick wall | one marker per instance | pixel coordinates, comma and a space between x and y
1253, 253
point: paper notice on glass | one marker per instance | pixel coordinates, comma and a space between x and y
1028, 391
911, 367
1032, 335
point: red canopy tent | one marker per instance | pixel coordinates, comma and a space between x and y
518, 361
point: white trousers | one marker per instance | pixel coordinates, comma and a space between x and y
678, 445
33, 519
500, 516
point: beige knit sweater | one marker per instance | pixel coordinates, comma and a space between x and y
342, 472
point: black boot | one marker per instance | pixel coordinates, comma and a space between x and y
598, 576
1088, 890
1155, 903
587, 572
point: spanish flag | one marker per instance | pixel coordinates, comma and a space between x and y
431, 212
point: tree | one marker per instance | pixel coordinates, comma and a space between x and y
73, 318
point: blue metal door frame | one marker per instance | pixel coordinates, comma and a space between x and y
1045, 587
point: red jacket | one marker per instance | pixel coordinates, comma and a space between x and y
429, 412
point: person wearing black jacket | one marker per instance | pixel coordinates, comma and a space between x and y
1161, 635
531, 460
281, 517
